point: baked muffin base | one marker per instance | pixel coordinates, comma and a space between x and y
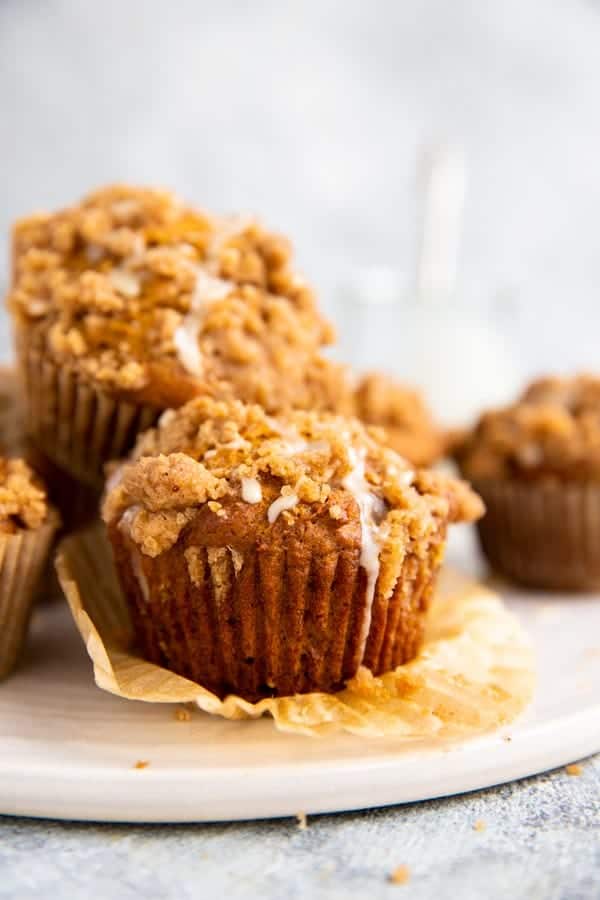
474, 672
542, 534
277, 615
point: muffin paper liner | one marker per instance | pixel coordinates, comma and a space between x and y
22, 560
73, 423
544, 535
270, 617
473, 673
11, 424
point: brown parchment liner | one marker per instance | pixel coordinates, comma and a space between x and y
74, 423
544, 534
23, 556
474, 673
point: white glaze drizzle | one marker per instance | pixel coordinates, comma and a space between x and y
295, 446
285, 501
292, 443
251, 490
125, 282
207, 290
115, 479
166, 417
372, 510
237, 443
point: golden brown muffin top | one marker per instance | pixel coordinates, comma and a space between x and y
149, 296
298, 466
404, 416
22, 497
552, 431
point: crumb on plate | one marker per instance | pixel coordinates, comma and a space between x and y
400, 875
302, 821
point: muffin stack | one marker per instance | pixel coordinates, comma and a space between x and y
267, 542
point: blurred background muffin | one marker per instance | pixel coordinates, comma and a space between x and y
27, 528
265, 556
536, 464
403, 414
132, 302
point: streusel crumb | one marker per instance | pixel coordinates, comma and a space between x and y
402, 413
400, 875
298, 465
553, 431
22, 497
145, 295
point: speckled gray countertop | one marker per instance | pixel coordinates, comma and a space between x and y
540, 839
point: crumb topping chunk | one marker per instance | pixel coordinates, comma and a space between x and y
23, 503
403, 415
294, 467
147, 295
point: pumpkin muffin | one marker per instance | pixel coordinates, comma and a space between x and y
264, 556
536, 463
132, 302
401, 412
27, 527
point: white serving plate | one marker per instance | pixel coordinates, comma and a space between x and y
68, 750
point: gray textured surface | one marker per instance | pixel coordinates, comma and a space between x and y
542, 842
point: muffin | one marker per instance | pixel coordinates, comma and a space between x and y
27, 527
536, 464
132, 302
268, 557
402, 414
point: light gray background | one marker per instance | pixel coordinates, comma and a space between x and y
314, 114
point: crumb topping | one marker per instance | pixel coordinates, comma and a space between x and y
400, 875
553, 431
22, 497
402, 413
149, 296
297, 466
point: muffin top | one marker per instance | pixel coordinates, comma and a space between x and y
151, 297
222, 460
402, 413
553, 431
23, 502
